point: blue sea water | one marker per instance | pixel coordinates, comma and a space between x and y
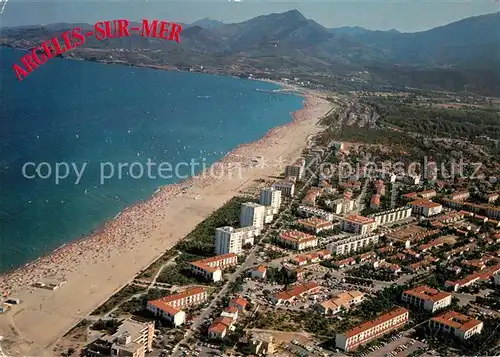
81, 112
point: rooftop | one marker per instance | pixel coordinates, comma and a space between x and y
425, 203
163, 303
314, 222
427, 293
296, 291
355, 218
379, 320
217, 258
457, 320
297, 236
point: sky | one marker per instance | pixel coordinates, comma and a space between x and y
402, 15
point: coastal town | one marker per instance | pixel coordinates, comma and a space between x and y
333, 256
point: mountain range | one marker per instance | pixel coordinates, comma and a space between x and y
289, 43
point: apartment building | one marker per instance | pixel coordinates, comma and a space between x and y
211, 268
270, 196
298, 240
296, 170
308, 211
132, 338
391, 216
462, 326
170, 307
341, 205
425, 207
287, 188
352, 244
427, 298
459, 196
340, 301
232, 240
252, 214
359, 224
296, 292
314, 224
371, 330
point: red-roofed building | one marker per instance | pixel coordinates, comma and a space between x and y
460, 325
211, 268
314, 224
169, 307
298, 240
359, 224
427, 298
410, 196
259, 272
220, 328
239, 303
425, 207
371, 330
296, 292
486, 274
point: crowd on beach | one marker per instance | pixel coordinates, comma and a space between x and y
133, 226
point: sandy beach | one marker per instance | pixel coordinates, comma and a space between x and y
96, 267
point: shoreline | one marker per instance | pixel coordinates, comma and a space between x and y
127, 237
185, 182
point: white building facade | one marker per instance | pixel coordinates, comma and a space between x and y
271, 196
392, 215
252, 214
232, 240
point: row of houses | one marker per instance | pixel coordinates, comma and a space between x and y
471, 279
225, 323
489, 211
314, 257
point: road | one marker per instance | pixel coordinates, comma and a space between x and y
206, 313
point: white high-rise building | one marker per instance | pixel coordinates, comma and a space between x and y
252, 214
232, 240
270, 196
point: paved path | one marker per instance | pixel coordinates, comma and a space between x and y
149, 287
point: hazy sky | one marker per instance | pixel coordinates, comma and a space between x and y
403, 15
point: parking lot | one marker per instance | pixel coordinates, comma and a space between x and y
398, 346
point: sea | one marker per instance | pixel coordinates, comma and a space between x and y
69, 113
